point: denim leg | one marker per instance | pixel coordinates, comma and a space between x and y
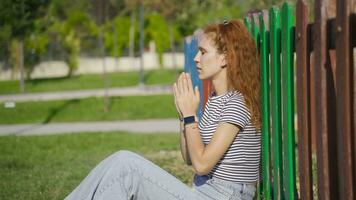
126, 175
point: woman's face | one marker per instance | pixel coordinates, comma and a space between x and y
208, 61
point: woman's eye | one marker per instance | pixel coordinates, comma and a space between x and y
202, 52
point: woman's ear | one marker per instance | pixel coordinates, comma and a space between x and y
223, 61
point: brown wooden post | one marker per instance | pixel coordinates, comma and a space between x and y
324, 106
353, 86
303, 100
343, 90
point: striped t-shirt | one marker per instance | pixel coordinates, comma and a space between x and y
241, 161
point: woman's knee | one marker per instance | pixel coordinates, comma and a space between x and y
125, 155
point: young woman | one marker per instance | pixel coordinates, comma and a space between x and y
223, 147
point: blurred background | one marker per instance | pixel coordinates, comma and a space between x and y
43, 38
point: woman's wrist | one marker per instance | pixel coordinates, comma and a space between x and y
190, 119
188, 114
180, 118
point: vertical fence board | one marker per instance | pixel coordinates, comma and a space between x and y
191, 49
287, 72
343, 83
325, 108
247, 23
274, 27
255, 28
264, 57
256, 35
353, 65
303, 102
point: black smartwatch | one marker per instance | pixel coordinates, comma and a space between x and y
189, 120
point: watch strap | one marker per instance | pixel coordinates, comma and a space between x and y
189, 120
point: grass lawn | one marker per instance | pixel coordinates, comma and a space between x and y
90, 109
89, 81
50, 167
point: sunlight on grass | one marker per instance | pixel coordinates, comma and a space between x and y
49, 167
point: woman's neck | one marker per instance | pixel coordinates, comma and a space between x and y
220, 84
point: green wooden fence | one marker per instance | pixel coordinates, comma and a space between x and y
273, 33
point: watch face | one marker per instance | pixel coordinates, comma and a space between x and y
188, 120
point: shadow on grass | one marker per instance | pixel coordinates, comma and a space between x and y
113, 100
55, 111
46, 80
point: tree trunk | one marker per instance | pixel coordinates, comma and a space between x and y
102, 20
105, 79
132, 39
116, 49
173, 48
20, 52
142, 38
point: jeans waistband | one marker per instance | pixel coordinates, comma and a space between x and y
248, 187
225, 182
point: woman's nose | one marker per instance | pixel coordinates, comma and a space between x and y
196, 58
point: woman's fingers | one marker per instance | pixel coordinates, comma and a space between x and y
175, 91
184, 81
189, 82
180, 83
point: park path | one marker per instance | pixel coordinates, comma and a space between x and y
80, 94
135, 126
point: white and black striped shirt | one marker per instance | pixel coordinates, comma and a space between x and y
241, 161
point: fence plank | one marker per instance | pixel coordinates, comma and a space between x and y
264, 57
274, 27
343, 84
353, 80
247, 23
325, 108
255, 27
353, 65
303, 101
287, 72
190, 50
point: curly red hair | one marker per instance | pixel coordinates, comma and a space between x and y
243, 65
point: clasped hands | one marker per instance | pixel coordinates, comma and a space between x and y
186, 98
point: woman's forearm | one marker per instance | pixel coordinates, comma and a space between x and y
183, 145
196, 149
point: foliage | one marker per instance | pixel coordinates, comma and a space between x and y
73, 23
18, 18
70, 32
20, 15
14, 56
35, 46
157, 30
116, 35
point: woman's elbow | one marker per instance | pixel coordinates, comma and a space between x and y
189, 163
202, 170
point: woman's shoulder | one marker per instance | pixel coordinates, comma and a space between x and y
231, 97
235, 96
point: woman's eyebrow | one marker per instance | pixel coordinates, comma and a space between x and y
201, 48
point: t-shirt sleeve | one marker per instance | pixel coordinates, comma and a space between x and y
236, 112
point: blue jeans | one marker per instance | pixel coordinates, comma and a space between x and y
127, 176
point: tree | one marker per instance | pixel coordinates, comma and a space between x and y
157, 30
70, 32
19, 17
35, 46
170, 10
